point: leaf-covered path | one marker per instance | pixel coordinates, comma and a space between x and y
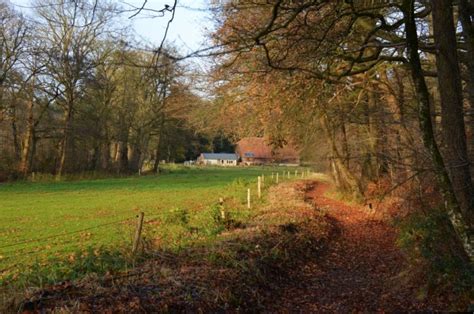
357, 272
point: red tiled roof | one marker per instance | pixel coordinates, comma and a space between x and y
261, 149
255, 146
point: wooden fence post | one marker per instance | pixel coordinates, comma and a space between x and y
248, 198
296, 173
221, 205
259, 187
277, 177
272, 176
288, 174
263, 180
138, 232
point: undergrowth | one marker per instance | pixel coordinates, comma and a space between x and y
433, 259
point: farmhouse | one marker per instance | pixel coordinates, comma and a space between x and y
258, 151
218, 159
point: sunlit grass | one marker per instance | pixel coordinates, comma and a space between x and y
177, 206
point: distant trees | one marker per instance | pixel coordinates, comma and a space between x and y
76, 94
71, 32
13, 35
340, 67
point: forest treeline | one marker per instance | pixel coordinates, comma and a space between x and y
79, 93
383, 91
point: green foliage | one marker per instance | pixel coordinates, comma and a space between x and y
426, 241
177, 216
216, 212
90, 261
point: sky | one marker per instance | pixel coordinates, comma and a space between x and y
187, 31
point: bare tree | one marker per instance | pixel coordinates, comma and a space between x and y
72, 30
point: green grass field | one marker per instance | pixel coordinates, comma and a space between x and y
180, 200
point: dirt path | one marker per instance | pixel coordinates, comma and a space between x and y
355, 273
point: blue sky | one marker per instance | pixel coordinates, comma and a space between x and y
187, 31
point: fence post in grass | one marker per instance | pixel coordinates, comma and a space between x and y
263, 180
221, 207
288, 174
277, 177
138, 232
248, 198
296, 173
302, 175
259, 187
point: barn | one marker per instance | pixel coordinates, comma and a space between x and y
258, 151
218, 159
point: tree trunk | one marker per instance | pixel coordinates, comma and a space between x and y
123, 151
462, 230
135, 158
116, 152
346, 180
27, 149
157, 156
370, 164
345, 143
466, 10
394, 98
16, 142
158, 146
452, 117
62, 152
104, 156
33, 152
123, 157
94, 163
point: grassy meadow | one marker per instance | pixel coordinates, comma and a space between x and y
62, 230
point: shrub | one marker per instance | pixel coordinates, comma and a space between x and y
425, 240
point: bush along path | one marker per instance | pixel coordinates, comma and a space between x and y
300, 252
